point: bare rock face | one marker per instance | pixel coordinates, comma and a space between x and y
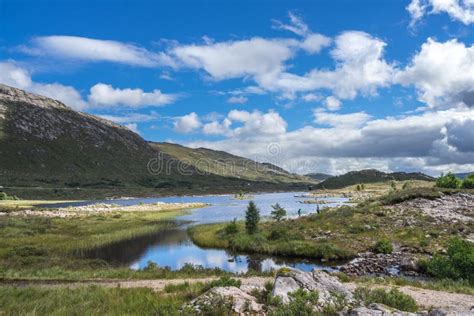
328, 287
377, 310
240, 302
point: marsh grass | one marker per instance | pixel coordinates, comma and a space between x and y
94, 300
52, 248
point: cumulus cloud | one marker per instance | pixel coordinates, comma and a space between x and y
460, 10
237, 99
332, 103
133, 127
16, 76
356, 140
187, 123
460, 134
88, 49
360, 68
104, 95
442, 74
235, 59
315, 42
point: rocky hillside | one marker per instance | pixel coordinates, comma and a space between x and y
369, 176
45, 144
224, 164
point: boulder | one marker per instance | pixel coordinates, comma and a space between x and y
240, 302
329, 288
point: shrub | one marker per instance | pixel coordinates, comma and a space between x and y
393, 298
4, 196
223, 281
383, 246
252, 217
277, 233
448, 181
457, 264
232, 228
468, 182
278, 212
301, 303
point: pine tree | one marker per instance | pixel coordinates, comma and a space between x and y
278, 212
252, 217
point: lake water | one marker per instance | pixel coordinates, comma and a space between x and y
174, 248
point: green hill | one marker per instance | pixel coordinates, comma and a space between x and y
369, 176
221, 163
49, 150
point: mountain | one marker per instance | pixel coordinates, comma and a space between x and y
318, 176
369, 176
48, 147
221, 163
463, 175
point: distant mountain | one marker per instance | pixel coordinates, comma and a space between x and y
369, 176
45, 144
463, 175
224, 164
318, 176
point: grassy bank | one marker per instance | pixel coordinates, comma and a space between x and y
95, 300
338, 233
51, 248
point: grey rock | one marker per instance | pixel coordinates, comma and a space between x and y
327, 286
242, 303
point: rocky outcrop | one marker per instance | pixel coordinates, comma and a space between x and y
458, 207
239, 301
369, 263
328, 287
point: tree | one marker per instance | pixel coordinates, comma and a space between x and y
448, 181
252, 217
468, 182
278, 212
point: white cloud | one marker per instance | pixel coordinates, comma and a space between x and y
460, 10
217, 128
310, 97
88, 49
315, 42
104, 95
296, 25
341, 120
430, 142
237, 99
187, 123
332, 103
235, 59
442, 74
13, 75
360, 68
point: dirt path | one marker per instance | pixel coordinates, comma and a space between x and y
156, 285
427, 299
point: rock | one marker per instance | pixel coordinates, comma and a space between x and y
241, 302
328, 287
409, 264
376, 310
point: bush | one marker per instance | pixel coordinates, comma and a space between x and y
4, 196
393, 298
231, 228
252, 217
468, 182
448, 181
458, 264
383, 246
277, 233
301, 303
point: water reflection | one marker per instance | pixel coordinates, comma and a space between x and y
173, 248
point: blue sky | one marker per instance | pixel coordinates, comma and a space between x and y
333, 85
